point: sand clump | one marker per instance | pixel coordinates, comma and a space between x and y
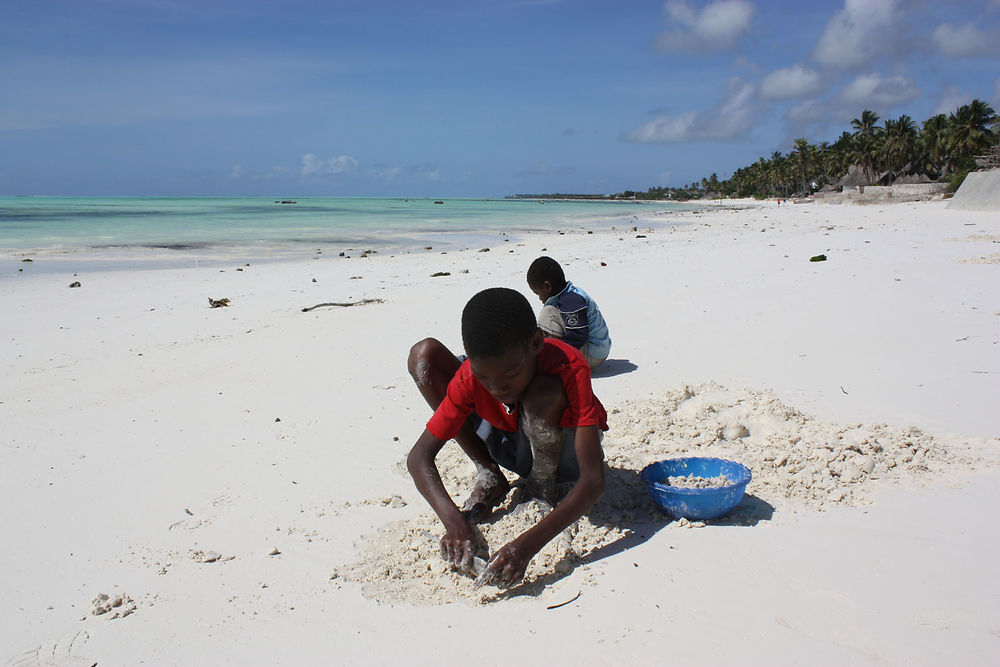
110, 607
797, 462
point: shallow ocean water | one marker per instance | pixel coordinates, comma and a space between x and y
122, 232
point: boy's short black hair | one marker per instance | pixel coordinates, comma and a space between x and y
495, 320
546, 268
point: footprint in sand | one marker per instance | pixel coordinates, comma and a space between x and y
190, 524
197, 519
67, 650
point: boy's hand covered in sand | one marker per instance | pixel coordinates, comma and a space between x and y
457, 549
507, 566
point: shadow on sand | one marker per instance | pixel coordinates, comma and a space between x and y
627, 507
613, 367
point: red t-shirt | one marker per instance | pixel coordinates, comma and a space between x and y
556, 358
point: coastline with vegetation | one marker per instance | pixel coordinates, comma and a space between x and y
942, 149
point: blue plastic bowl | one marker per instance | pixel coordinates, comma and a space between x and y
696, 503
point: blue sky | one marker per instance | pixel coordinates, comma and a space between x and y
464, 98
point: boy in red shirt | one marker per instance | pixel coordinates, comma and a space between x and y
520, 401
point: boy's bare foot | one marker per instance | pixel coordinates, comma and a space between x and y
489, 490
537, 488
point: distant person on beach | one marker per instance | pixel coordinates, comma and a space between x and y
518, 401
569, 313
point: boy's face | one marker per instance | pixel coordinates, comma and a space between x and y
507, 376
543, 291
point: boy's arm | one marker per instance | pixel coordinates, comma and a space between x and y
507, 565
456, 545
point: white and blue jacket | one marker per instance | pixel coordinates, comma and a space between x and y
583, 321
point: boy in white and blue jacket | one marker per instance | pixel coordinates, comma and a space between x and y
569, 313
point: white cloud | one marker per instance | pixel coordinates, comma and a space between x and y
809, 111
277, 171
735, 115
730, 119
314, 166
240, 173
883, 95
966, 41
386, 173
857, 34
665, 129
717, 27
744, 63
872, 91
311, 165
790, 83
342, 164
409, 173
951, 99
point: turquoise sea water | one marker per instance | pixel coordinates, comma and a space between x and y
126, 231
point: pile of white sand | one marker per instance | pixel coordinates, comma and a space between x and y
796, 461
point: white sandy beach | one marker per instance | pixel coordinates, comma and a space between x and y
146, 433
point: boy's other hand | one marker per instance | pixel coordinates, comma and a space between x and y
506, 567
457, 549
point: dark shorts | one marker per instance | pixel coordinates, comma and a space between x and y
513, 450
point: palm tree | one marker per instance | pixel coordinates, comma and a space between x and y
969, 132
932, 145
713, 182
899, 145
840, 156
809, 161
867, 137
865, 126
776, 171
821, 162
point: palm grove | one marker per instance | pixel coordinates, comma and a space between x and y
943, 148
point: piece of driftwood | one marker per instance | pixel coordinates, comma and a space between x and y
563, 604
342, 305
